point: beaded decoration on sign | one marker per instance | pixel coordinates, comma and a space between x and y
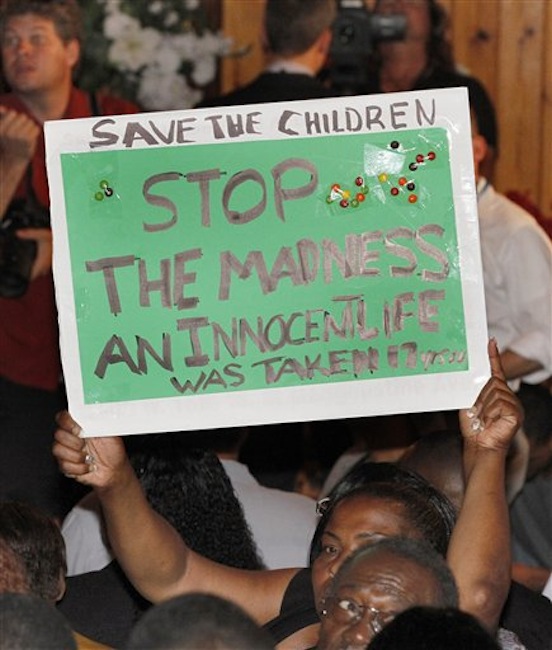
391, 183
343, 196
106, 191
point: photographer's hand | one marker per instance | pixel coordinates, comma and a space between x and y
43, 239
18, 138
18, 135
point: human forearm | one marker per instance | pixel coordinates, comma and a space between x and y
479, 551
152, 554
533, 577
150, 551
515, 365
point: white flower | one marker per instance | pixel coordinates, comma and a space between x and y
205, 70
156, 7
117, 24
211, 43
159, 91
168, 56
134, 49
147, 62
171, 19
186, 45
112, 6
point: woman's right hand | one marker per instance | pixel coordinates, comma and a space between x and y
97, 462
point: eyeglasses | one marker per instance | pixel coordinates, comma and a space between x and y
322, 505
348, 612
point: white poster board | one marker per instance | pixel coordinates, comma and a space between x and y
268, 263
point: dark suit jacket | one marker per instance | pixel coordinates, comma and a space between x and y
272, 87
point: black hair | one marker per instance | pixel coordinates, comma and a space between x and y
417, 551
36, 539
65, 14
537, 404
197, 622
428, 510
420, 628
30, 622
189, 488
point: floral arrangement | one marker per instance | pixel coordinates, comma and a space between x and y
160, 54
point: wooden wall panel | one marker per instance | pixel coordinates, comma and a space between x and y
474, 32
545, 191
506, 44
242, 20
518, 96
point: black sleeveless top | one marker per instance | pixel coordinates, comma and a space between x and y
298, 608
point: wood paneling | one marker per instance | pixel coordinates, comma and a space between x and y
506, 44
242, 20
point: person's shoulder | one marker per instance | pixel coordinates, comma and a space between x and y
113, 105
516, 217
272, 87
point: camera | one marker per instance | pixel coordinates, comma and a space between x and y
18, 255
354, 33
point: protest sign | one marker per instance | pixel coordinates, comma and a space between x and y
264, 263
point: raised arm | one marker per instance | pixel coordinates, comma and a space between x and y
479, 551
152, 554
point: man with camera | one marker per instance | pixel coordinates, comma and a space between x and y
40, 44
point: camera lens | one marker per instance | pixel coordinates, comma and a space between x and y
346, 34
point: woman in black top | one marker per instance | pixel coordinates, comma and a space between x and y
161, 565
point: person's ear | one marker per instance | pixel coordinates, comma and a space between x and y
73, 50
324, 42
480, 147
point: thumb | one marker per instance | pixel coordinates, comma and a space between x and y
494, 359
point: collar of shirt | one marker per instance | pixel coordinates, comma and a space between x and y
290, 67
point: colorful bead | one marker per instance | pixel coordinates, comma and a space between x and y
394, 144
420, 158
382, 178
336, 186
359, 181
108, 191
413, 167
354, 203
411, 187
360, 197
412, 198
104, 184
394, 191
431, 155
344, 203
402, 180
99, 196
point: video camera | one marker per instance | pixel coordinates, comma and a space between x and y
355, 31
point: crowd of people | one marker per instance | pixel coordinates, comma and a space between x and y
404, 530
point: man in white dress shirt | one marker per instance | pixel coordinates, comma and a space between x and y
517, 275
